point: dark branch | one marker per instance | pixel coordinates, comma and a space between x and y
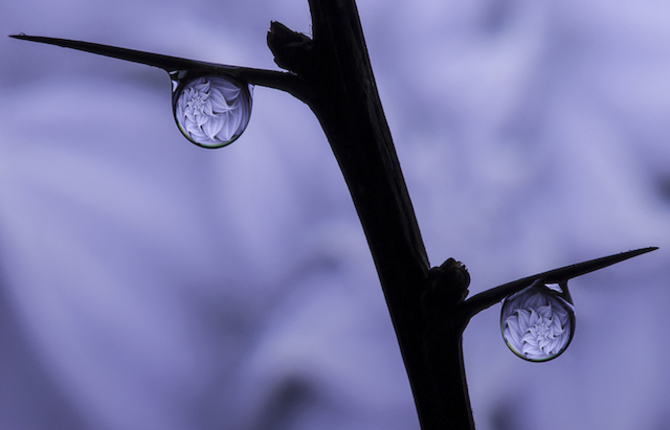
344, 98
333, 75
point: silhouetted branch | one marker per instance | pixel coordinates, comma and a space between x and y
331, 73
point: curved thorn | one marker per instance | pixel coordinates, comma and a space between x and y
481, 301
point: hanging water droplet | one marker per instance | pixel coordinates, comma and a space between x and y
538, 323
211, 111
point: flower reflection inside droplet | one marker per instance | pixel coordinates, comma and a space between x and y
212, 111
537, 324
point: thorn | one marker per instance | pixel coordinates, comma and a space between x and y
483, 300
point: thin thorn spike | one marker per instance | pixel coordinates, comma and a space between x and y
481, 301
161, 61
267, 78
572, 271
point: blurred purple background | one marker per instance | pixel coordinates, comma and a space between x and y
149, 283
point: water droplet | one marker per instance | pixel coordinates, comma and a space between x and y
211, 111
538, 323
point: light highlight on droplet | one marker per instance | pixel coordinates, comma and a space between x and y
537, 324
211, 111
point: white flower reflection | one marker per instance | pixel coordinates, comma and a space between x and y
212, 111
537, 324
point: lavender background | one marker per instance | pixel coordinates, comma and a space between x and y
149, 283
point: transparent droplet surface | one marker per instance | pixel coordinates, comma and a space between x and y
537, 323
211, 111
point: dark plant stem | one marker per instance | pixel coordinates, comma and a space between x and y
343, 95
